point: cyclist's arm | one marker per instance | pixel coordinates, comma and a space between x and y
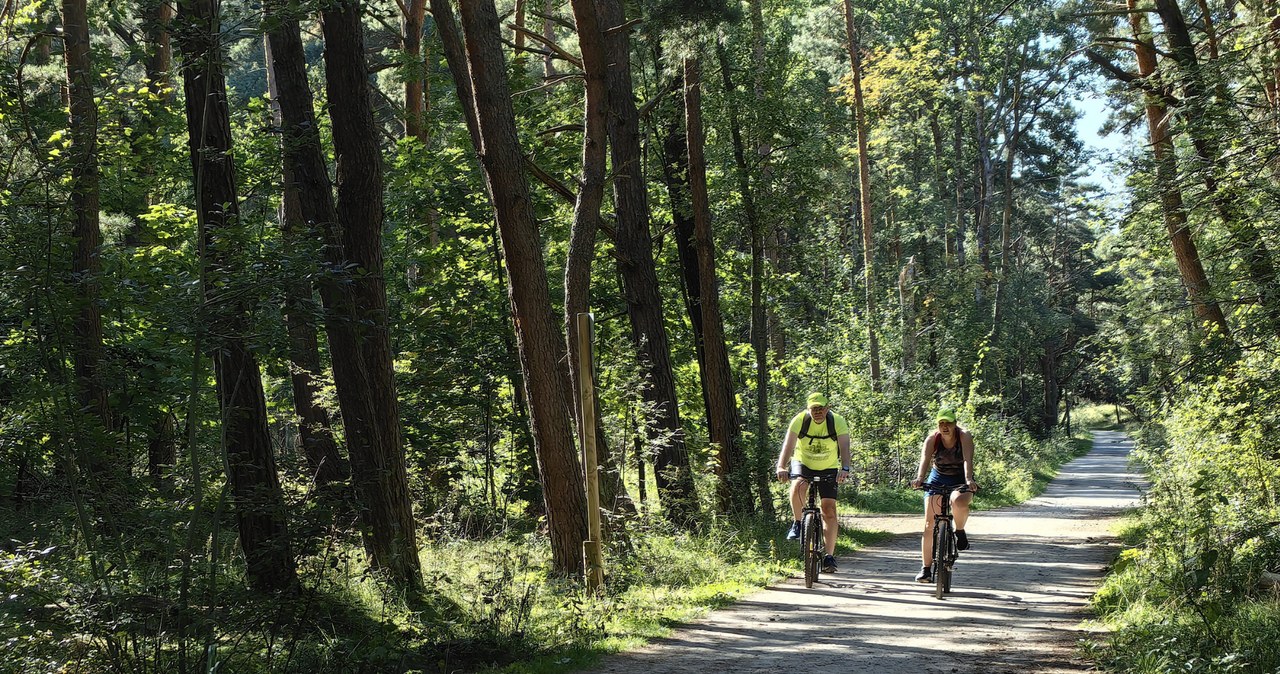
925, 460
966, 447
784, 457
842, 443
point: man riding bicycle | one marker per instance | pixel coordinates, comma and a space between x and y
820, 440
949, 449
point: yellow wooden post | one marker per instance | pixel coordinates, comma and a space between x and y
592, 555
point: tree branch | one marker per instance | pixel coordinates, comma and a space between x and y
1115, 72
550, 181
555, 48
554, 81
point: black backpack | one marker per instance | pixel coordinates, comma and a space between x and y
831, 427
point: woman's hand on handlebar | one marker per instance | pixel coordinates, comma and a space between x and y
917, 483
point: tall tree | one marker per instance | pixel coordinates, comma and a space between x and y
1202, 128
456, 57
723, 425
318, 445
538, 337
634, 248
864, 193
255, 486
373, 425
586, 222
412, 16
756, 218
86, 265
156, 16
1194, 279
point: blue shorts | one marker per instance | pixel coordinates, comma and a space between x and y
938, 478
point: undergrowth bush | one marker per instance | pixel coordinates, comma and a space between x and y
1187, 597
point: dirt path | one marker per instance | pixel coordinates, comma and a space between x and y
1018, 596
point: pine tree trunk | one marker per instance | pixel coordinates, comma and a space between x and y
548, 32
907, 301
538, 337
155, 18
957, 148
411, 22
639, 274
751, 214
864, 196
255, 486
86, 267
1194, 279
318, 446
586, 222
1006, 223
373, 426
1259, 264
724, 428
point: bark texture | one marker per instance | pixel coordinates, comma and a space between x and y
733, 495
365, 369
318, 446
1203, 305
86, 266
538, 337
251, 468
639, 274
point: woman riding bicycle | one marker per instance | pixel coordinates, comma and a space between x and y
949, 450
816, 435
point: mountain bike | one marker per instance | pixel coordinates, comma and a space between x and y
812, 543
945, 552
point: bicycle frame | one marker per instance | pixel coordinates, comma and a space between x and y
945, 552
812, 541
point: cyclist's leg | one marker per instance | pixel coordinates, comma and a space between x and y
799, 492
960, 507
933, 505
830, 524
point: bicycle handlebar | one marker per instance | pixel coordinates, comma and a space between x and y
945, 488
814, 478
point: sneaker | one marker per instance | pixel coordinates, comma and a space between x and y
829, 564
962, 541
925, 575
794, 532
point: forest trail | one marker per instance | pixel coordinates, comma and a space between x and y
1017, 602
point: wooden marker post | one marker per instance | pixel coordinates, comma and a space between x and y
592, 555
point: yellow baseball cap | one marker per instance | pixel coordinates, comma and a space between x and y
817, 399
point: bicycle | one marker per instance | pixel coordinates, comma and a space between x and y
812, 543
945, 550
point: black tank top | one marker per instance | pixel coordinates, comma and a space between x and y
948, 461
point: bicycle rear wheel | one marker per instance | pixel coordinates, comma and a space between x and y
941, 569
812, 528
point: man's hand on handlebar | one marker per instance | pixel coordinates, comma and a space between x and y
784, 474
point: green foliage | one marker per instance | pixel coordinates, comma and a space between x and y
148, 577
1187, 595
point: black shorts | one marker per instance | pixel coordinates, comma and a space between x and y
827, 487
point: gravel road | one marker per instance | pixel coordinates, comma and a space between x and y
1017, 599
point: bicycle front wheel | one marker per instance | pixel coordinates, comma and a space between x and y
812, 528
941, 568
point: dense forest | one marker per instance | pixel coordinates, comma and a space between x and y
289, 298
